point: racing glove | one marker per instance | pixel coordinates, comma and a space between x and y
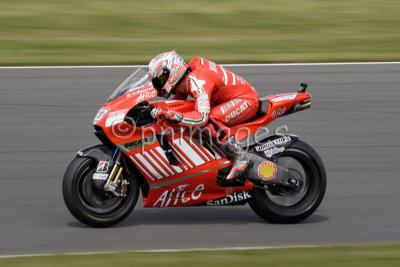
167, 114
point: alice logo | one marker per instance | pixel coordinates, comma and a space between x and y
267, 170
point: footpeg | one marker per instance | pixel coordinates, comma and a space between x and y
240, 181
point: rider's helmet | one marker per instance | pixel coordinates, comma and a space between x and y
165, 71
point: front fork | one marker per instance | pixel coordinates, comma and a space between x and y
112, 181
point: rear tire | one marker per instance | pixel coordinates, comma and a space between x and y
91, 206
294, 208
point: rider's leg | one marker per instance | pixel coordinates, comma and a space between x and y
232, 113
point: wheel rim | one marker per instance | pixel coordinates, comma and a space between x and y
301, 173
95, 200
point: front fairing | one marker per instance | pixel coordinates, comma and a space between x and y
123, 104
133, 91
135, 82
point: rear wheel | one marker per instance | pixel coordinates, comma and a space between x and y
290, 205
91, 205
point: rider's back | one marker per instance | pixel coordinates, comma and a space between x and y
221, 84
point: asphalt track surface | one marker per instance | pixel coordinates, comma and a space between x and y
354, 124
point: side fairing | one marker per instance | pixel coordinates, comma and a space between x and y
179, 171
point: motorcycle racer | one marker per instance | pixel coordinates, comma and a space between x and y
222, 99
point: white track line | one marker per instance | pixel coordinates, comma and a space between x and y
229, 65
159, 251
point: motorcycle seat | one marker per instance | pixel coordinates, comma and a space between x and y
262, 107
261, 111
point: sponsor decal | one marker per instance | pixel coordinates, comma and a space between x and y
196, 85
203, 103
279, 141
100, 114
103, 166
284, 97
175, 105
213, 66
149, 94
278, 112
139, 91
270, 152
237, 111
138, 143
116, 117
230, 105
100, 176
175, 73
296, 107
230, 199
267, 170
179, 195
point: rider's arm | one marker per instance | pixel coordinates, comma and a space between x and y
199, 116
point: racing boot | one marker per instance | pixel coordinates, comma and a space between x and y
240, 162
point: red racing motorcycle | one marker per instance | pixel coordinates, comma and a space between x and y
174, 166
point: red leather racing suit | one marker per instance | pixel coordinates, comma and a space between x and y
220, 95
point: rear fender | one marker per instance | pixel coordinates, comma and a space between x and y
262, 140
271, 145
274, 140
282, 105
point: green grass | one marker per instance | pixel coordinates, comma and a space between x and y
46, 32
366, 255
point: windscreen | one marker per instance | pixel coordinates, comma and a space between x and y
135, 81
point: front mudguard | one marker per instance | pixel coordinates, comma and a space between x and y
97, 152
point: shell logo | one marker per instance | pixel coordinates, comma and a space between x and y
267, 170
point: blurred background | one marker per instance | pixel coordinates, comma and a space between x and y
46, 114
48, 32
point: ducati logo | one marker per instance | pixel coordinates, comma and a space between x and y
138, 143
236, 112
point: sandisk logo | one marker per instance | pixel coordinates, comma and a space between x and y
230, 199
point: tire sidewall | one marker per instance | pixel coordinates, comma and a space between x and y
73, 201
272, 212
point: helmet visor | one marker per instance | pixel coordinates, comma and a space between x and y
159, 82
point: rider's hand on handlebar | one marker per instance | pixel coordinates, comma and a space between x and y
162, 113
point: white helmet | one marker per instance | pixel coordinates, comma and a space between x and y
165, 71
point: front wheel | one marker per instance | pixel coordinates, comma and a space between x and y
290, 206
91, 205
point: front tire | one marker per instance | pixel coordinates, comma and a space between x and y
90, 205
293, 207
